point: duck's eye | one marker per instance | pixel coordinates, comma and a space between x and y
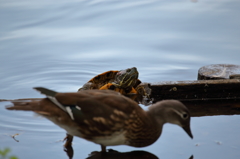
184, 115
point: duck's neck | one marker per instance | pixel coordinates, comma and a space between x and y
160, 119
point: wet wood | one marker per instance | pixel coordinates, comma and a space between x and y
218, 71
196, 90
204, 97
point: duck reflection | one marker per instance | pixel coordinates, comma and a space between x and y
69, 151
113, 154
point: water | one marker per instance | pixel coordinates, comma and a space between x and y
62, 44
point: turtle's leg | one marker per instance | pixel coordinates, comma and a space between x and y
131, 91
144, 92
68, 139
144, 89
107, 86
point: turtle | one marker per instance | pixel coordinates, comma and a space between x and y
123, 81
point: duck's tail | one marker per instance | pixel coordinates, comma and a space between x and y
24, 104
30, 104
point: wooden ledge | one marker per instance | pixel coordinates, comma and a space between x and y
196, 90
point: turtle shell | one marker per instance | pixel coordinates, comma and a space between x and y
123, 81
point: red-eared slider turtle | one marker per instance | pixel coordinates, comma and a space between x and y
125, 82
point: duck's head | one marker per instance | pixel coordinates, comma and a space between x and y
172, 111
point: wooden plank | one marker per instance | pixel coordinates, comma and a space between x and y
196, 90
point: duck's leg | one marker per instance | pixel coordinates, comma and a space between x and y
68, 139
103, 148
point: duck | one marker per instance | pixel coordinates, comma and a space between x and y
106, 117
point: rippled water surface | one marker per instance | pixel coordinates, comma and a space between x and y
62, 44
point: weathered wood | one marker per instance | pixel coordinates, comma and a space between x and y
218, 71
196, 90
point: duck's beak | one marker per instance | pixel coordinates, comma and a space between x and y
188, 130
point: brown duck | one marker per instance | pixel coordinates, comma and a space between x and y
106, 117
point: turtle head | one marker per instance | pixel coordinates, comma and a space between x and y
126, 78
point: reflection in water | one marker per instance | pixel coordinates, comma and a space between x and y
69, 151
4, 154
207, 106
113, 154
213, 107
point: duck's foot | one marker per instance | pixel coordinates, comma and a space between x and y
68, 139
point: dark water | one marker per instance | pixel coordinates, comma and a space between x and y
62, 44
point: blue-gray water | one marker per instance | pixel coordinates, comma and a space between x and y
62, 44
